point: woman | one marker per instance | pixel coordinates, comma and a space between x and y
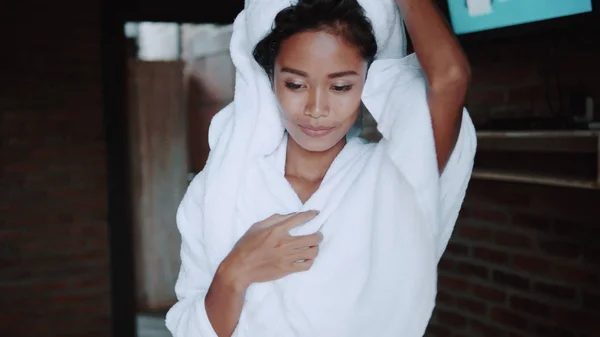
368, 267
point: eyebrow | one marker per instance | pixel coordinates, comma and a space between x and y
304, 74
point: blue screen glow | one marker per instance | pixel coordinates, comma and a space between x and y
468, 16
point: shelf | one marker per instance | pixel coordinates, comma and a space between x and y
569, 158
539, 134
540, 141
535, 179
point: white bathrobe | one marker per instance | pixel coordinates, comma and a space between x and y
385, 212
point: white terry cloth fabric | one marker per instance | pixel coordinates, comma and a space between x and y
385, 212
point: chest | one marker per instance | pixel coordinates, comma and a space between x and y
303, 189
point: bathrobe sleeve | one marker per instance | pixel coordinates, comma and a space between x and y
454, 180
396, 96
188, 318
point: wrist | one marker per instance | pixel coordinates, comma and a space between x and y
231, 277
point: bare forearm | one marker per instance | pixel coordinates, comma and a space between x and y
224, 302
445, 122
437, 49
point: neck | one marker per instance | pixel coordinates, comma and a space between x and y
307, 165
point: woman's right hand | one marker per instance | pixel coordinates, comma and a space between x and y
268, 252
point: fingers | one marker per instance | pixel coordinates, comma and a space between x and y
305, 241
306, 254
297, 219
301, 265
303, 259
274, 219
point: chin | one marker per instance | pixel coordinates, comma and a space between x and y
315, 144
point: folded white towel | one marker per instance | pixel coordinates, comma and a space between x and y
385, 212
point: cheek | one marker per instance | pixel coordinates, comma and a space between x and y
291, 104
346, 106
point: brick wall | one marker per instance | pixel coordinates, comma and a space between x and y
524, 259
54, 267
533, 76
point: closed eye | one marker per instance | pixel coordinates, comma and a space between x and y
341, 88
293, 86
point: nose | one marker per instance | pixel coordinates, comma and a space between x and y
317, 105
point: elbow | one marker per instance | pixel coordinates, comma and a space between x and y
454, 79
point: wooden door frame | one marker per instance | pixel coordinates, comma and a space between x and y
119, 217
114, 14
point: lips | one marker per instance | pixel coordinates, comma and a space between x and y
313, 131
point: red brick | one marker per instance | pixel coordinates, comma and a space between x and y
55, 250
579, 320
453, 283
478, 328
591, 301
488, 215
445, 298
512, 240
591, 255
577, 275
562, 249
450, 319
447, 264
490, 255
473, 232
555, 290
548, 330
515, 334
533, 265
436, 330
510, 280
464, 212
469, 305
457, 249
489, 294
579, 206
509, 319
580, 231
474, 270
530, 306
504, 196
9, 234
530, 221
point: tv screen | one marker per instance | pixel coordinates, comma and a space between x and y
470, 16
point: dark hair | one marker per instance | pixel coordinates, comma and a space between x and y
342, 17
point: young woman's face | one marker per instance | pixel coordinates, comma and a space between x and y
318, 80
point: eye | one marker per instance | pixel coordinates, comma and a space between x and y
341, 88
293, 86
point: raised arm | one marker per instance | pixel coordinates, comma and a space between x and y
446, 68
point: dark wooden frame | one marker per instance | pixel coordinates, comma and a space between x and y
114, 14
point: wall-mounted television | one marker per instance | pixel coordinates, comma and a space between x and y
476, 16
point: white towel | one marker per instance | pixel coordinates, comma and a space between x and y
385, 212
